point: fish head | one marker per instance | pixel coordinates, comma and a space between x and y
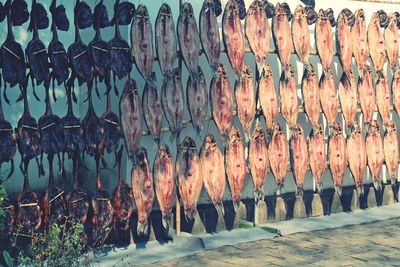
164, 152
299, 12
234, 136
165, 11
374, 18
141, 157
309, 72
392, 18
359, 14
396, 74
210, 142
297, 130
391, 127
337, 129
258, 131
318, 129
187, 12
374, 127
277, 129
188, 145
356, 129
221, 71
142, 14
280, 12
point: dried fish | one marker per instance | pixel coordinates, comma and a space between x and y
366, 95
324, 39
197, 99
343, 40
357, 157
328, 96
391, 150
317, 155
164, 182
152, 109
376, 43
213, 171
348, 98
166, 47
258, 33
375, 153
221, 101
337, 155
383, 98
310, 91
209, 33
288, 94
188, 38
235, 162
360, 41
246, 100
278, 154
267, 98
298, 157
301, 34
396, 90
190, 179
391, 36
143, 191
233, 36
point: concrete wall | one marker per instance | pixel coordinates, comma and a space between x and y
14, 185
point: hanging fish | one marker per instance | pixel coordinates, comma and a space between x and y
209, 33
213, 171
235, 162
152, 110
190, 179
288, 94
36, 52
100, 50
391, 36
12, 56
360, 41
259, 162
324, 39
343, 40
366, 95
317, 155
258, 33
283, 38
221, 101
245, 100
142, 42
301, 35
172, 99
166, 48
188, 38
396, 90
357, 157
375, 153
143, 191
8, 139
197, 99
233, 36
56, 52
348, 98
298, 158
121, 59
164, 182
130, 113
376, 43
383, 98
391, 150
267, 98
310, 91
278, 154
328, 96
337, 156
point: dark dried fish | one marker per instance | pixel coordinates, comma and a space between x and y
197, 99
152, 110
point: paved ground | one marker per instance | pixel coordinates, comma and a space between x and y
373, 244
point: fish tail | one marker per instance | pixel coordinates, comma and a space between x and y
366, 126
393, 180
287, 71
377, 185
360, 190
142, 228
166, 221
320, 188
361, 72
189, 214
258, 195
195, 77
378, 75
261, 68
236, 204
299, 191
338, 190
279, 189
220, 209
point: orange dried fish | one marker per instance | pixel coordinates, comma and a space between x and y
268, 99
376, 43
383, 98
359, 40
317, 155
396, 90
366, 95
310, 91
288, 94
343, 41
357, 156
337, 155
301, 34
348, 98
324, 39
375, 154
299, 158
328, 96
391, 150
391, 35
278, 154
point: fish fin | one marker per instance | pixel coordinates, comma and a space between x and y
258, 195
220, 209
279, 189
142, 228
320, 188
338, 190
377, 185
299, 191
